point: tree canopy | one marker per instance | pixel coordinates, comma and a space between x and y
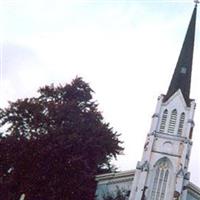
55, 144
117, 194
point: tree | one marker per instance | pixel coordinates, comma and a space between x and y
118, 194
54, 145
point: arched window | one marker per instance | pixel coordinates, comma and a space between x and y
160, 180
163, 121
172, 122
181, 123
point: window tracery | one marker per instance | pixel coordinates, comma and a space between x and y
161, 177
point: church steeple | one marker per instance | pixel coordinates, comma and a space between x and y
182, 74
163, 172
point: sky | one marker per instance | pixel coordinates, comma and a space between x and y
125, 49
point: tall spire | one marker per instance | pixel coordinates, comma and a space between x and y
182, 74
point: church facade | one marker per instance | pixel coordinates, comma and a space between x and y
162, 173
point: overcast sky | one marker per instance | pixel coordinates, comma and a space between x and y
125, 49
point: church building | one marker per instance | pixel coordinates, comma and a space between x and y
162, 173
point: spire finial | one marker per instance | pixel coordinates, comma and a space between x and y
196, 2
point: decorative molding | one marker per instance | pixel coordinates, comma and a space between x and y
190, 121
168, 154
120, 181
187, 176
155, 115
181, 171
144, 166
115, 175
194, 189
173, 137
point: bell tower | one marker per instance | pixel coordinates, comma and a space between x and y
162, 174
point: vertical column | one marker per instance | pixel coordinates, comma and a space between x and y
155, 117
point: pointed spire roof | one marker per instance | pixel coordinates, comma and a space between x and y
182, 74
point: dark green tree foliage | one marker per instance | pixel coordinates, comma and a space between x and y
55, 145
118, 194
